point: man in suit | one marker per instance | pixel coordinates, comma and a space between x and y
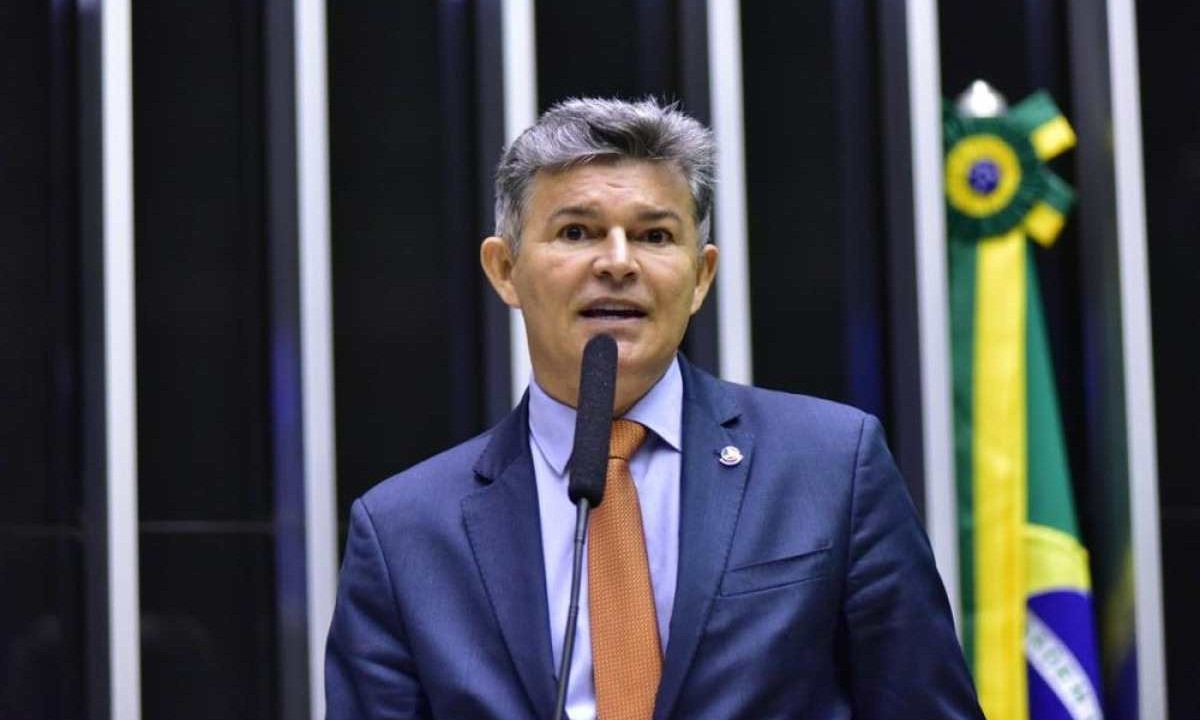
772, 565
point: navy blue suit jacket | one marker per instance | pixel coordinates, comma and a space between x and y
806, 584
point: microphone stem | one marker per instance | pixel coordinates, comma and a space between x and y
568, 648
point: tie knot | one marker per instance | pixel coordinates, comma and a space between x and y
627, 436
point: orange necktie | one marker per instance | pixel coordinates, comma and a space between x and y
626, 656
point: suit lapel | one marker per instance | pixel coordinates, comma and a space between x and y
710, 502
503, 527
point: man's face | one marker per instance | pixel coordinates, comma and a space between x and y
607, 247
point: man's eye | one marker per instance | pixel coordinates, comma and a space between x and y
573, 232
657, 236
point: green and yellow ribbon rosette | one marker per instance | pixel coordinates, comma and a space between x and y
1027, 619
996, 178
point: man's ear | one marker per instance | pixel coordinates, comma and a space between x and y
497, 260
706, 270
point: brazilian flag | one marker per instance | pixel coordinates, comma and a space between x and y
1028, 628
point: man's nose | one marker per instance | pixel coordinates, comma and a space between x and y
615, 258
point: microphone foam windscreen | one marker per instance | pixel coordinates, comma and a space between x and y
593, 420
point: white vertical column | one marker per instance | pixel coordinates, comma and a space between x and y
518, 45
733, 278
316, 335
120, 396
1137, 356
933, 315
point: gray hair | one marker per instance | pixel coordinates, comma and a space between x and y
581, 130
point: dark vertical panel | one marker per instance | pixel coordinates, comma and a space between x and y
691, 54
701, 342
1045, 46
92, 423
1105, 505
626, 48
37, 300
984, 41
64, 254
200, 249
394, 326
43, 641
67, 579
283, 346
489, 116
906, 432
208, 593
208, 627
461, 228
796, 253
655, 46
588, 48
855, 95
41, 646
814, 172
1171, 141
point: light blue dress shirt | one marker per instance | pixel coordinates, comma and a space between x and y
655, 469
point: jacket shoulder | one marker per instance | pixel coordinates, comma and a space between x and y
763, 409
801, 409
439, 481
801, 422
802, 426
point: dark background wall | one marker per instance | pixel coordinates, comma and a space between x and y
43, 621
1171, 141
419, 343
205, 476
405, 297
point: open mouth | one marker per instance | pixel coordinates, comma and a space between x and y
605, 312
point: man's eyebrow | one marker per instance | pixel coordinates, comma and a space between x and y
659, 214
591, 211
588, 211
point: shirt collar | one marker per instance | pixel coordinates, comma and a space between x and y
552, 424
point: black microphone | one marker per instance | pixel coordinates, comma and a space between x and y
593, 420
589, 464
